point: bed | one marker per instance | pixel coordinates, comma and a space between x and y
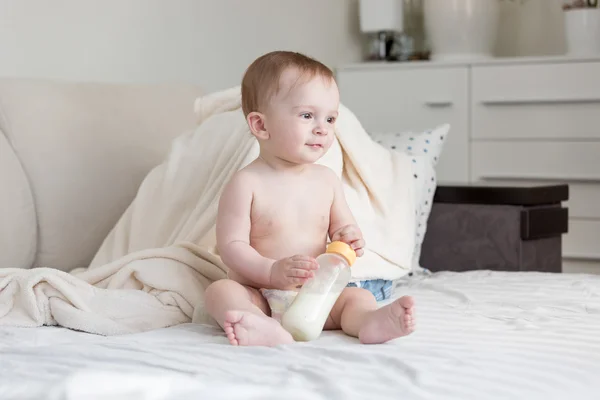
480, 335
495, 323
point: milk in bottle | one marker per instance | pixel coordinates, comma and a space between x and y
306, 316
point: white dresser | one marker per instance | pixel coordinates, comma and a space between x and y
525, 120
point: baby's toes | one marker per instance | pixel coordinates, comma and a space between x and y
407, 302
232, 339
409, 321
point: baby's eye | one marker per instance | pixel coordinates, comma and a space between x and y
306, 115
331, 120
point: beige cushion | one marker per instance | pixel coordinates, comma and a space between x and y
85, 148
17, 213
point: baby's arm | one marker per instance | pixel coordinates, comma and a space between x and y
342, 225
233, 232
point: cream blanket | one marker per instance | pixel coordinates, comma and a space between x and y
152, 269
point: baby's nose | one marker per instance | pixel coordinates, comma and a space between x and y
320, 130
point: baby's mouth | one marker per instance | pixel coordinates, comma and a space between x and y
315, 146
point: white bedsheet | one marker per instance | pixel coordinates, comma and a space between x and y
480, 335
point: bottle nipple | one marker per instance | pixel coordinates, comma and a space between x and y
342, 249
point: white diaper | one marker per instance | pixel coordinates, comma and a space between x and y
279, 301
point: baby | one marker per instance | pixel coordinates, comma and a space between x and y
276, 214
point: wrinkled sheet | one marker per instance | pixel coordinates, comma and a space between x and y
480, 335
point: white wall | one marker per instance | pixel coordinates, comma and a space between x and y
208, 42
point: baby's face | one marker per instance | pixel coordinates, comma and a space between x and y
300, 121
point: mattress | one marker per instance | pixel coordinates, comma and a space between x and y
480, 335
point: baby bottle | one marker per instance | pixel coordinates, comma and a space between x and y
306, 316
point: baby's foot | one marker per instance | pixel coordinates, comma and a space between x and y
389, 322
244, 328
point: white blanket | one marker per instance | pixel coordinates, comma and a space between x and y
153, 267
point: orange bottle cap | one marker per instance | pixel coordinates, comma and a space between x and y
343, 250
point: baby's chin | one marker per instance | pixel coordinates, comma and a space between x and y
313, 158
305, 157
306, 160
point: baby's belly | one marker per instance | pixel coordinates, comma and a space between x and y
278, 245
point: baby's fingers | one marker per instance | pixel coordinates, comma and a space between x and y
301, 273
339, 235
350, 236
310, 264
357, 244
299, 276
300, 257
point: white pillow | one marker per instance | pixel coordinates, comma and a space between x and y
425, 148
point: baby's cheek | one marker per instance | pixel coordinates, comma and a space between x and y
297, 141
288, 143
330, 138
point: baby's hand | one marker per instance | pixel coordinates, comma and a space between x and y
292, 271
351, 235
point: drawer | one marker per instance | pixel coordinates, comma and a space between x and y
556, 161
536, 101
584, 197
583, 240
393, 100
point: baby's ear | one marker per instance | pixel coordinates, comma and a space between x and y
256, 122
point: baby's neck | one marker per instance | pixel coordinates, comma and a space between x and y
280, 165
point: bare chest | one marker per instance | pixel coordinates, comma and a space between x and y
285, 210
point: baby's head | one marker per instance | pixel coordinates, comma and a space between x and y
291, 103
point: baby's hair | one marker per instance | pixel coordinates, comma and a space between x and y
261, 80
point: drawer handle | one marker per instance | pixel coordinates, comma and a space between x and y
533, 177
518, 102
543, 222
439, 103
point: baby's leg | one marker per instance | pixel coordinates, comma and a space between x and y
356, 313
242, 313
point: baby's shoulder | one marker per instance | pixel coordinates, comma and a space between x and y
322, 170
324, 173
244, 180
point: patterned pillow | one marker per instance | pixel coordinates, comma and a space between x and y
425, 148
